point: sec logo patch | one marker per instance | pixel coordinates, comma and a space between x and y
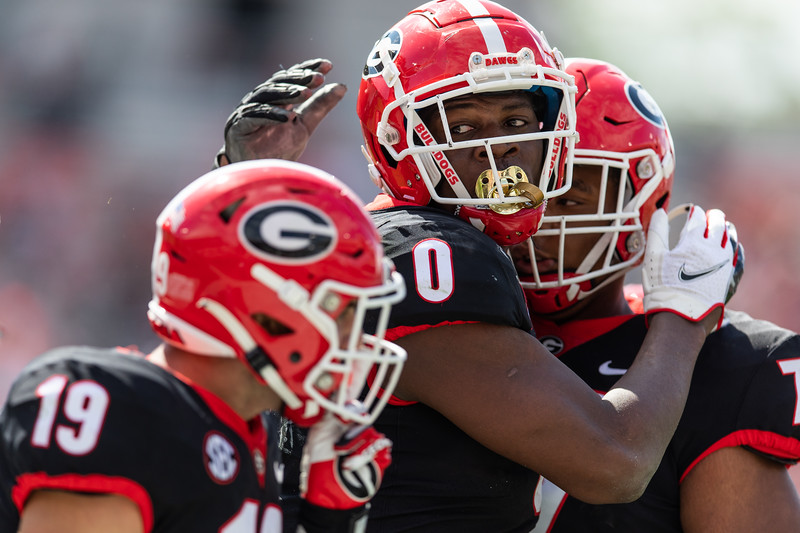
221, 458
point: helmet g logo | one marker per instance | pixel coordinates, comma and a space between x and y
644, 104
385, 49
288, 232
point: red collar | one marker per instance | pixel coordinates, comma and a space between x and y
384, 201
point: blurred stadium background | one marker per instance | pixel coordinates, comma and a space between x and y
109, 107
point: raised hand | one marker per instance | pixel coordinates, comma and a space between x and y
700, 274
277, 118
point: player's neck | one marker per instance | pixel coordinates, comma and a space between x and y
226, 378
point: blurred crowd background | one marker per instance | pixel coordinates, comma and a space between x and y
109, 107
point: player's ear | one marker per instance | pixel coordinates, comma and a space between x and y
221, 159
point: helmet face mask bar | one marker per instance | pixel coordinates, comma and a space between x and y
454, 49
603, 263
362, 355
277, 264
624, 134
430, 156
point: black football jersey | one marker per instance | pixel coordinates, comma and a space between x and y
453, 272
108, 421
744, 392
441, 479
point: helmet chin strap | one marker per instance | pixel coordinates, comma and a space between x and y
588, 261
288, 290
192, 339
574, 291
255, 355
436, 164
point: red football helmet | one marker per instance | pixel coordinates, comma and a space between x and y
621, 127
271, 262
448, 49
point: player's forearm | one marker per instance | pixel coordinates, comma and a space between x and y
653, 392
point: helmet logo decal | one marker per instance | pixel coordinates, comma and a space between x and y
288, 232
221, 458
358, 482
510, 59
387, 47
644, 104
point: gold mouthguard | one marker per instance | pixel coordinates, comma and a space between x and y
514, 183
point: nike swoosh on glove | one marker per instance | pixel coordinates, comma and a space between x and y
700, 273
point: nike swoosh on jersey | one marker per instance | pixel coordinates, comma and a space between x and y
689, 276
607, 370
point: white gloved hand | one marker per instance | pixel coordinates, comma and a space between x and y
697, 276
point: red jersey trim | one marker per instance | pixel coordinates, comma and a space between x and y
634, 295
401, 331
384, 201
558, 512
577, 332
94, 483
764, 441
251, 431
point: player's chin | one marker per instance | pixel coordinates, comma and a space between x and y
523, 268
522, 262
546, 266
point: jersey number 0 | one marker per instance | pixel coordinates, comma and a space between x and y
433, 270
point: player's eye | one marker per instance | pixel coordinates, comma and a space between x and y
461, 129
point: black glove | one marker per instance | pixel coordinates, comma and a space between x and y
277, 118
738, 261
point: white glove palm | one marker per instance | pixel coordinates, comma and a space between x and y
700, 273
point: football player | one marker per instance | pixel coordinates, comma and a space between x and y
469, 125
263, 273
725, 468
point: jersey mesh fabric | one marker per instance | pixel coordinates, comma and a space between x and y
181, 454
739, 397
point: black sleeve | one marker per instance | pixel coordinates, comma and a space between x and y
744, 393
769, 418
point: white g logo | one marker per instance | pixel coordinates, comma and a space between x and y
288, 232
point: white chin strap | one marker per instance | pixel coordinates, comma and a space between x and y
193, 339
591, 258
435, 163
248, 344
